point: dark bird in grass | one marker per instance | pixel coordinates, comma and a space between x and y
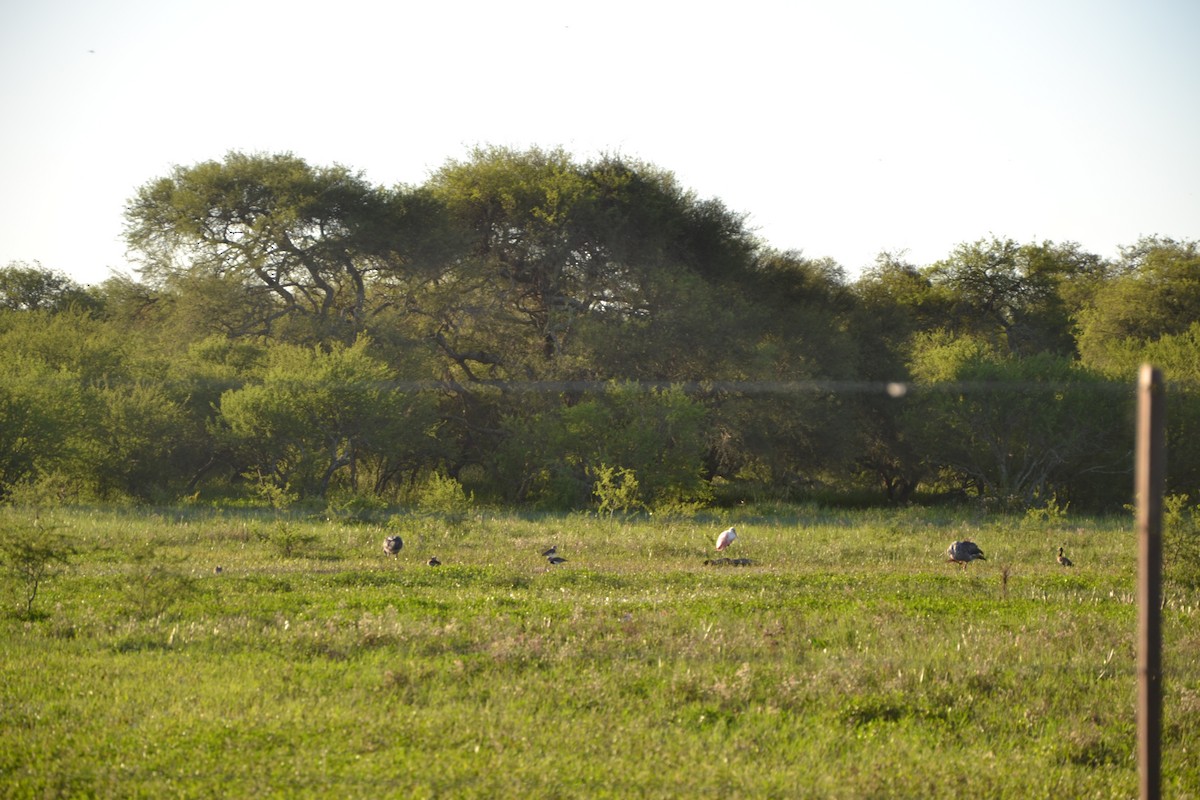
433, 562
555, 559
392, 545
553, 549
964, 553
1063, 560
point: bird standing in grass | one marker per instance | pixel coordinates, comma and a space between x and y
726, 538
1063, 560
433, 562
555, 559
964, 553
553, 549
392, 545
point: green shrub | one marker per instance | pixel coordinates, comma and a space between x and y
1181, 541
30, 555
152, 588
287, 540
443, 495
615, 490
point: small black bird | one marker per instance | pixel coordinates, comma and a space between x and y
553, 549
393, 545
555, 559
433, 562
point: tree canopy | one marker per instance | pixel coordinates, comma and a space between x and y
272, 236
550, 331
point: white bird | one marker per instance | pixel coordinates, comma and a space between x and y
726, 538
964, 553
392, 545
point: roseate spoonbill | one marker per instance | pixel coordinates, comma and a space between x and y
726, 538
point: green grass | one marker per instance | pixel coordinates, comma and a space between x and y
848, 661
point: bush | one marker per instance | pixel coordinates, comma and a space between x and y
355, 508
557, 456
152, 588
615, 490
443, 495
1181, 542
30, 555
288, 541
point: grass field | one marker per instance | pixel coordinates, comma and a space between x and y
849, 660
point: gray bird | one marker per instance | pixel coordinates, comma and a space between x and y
433, 562
393, 545
555, 559
1063, 560
964, 553
553, 549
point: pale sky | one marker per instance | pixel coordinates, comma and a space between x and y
843, 128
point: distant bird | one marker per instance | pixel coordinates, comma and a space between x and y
392, 545
964, 553
555, 559
726, 538
217, 570
433, 562
553, 549
1063, 560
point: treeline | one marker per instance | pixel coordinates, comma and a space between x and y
534, 330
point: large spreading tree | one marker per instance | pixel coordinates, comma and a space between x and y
566, 331
263, 237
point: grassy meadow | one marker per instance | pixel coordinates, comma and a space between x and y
848, 660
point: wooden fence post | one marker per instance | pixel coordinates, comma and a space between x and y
1149, 477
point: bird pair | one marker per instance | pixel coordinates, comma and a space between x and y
392, 545
552, 555
965, 552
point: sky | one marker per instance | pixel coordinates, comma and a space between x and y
840, 128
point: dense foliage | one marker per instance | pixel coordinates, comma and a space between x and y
555, 333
